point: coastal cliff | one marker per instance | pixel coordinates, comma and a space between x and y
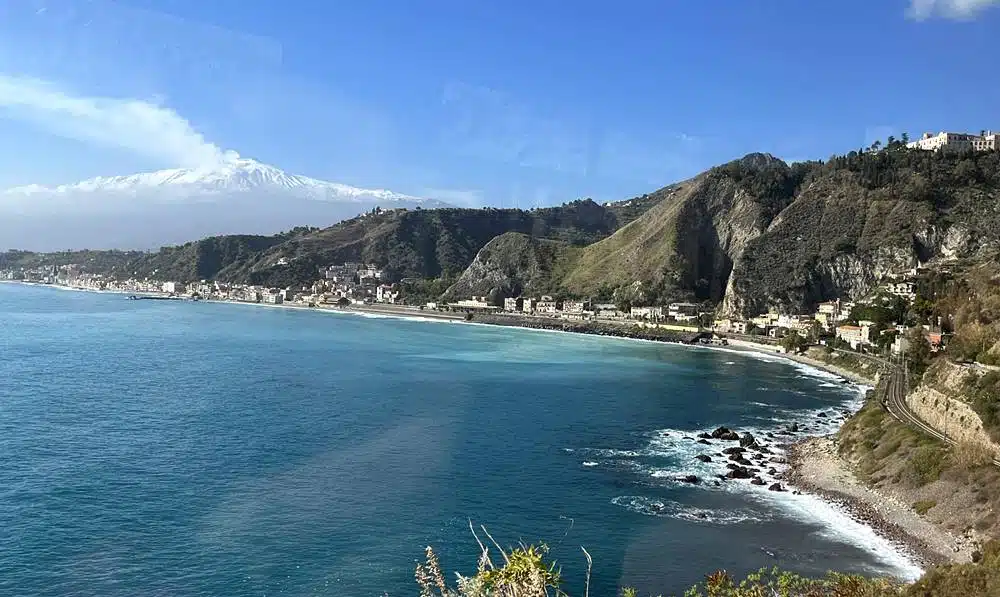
757, 234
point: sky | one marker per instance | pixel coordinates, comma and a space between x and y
509, 103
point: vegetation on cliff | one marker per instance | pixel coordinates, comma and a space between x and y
513, 264
89, 261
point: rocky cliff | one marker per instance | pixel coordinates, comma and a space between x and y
757, 234
513, 264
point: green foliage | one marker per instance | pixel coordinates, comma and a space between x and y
420, 291
921, 507
93, 262
525, 572
918, 354
773, 582
962, 580
793, 342
925, 464
883, 316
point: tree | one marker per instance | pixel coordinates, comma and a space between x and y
918, 353
905, 137
793, 342
343, 301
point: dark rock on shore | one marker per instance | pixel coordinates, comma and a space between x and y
748, 440
705, 436
777, 460
821, 415
776, 487
725, 433
703, 458
705, 441
694, 480
757, 481
740, 460
733, 450
794, 428
739, 473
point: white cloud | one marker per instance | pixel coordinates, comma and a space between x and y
144, 127
950, 9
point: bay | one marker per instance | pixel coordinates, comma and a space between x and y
178, 448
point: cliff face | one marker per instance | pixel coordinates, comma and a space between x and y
757, 234
840, 239
510, 265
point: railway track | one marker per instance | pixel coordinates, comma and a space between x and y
894, 400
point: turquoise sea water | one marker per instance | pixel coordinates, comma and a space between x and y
176, 449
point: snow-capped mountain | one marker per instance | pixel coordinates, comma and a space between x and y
232, 175
151, 209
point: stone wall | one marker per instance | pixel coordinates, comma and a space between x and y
953, 417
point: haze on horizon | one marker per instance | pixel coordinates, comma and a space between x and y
512, 104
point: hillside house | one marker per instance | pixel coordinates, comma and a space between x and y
528, 305
513, 304
903, 289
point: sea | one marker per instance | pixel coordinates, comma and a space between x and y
177, 448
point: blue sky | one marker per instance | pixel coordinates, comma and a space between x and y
504, 103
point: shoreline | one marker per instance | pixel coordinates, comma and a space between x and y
809, 470
815, 467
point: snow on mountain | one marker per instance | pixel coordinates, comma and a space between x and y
232, 175
152, 209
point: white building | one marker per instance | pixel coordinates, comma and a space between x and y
476, 302
575, 307
904, 289
547, 306
855, 335
682, 311
173, 287
955, 142
386, 294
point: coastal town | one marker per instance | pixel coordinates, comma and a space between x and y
873, 324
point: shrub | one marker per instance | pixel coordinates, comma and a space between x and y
925, 465
921, 507
971, 455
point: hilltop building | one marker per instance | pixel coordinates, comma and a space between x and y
956, 142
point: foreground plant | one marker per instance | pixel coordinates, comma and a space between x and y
524, 573
779, 583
